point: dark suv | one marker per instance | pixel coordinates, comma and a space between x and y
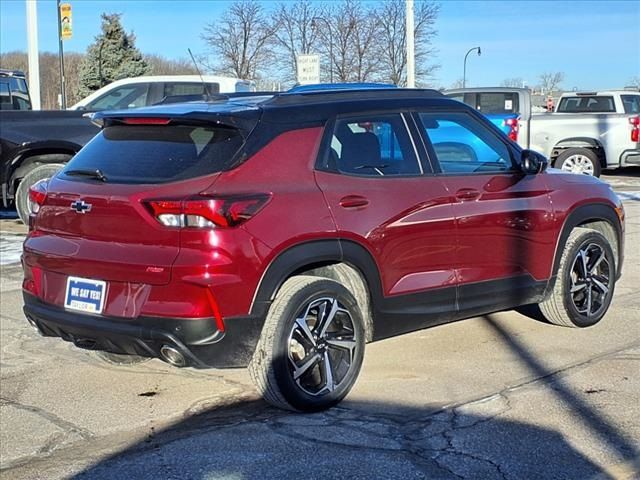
284, 232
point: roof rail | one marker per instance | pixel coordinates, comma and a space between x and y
322, 96
318, 87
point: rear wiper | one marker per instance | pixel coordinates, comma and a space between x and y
97, 174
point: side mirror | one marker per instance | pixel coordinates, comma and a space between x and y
532, 162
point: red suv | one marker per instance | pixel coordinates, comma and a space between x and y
283, 232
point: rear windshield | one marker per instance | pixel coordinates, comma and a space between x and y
175, 89
496, 103
631, 103
157, 154
584, 104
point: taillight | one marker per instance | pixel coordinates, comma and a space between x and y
513, 124
37, 195
207, 212
635, 129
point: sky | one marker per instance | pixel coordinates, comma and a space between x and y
595, 43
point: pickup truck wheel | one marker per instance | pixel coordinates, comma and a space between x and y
43, 172
579, 160
312, 345
585, 281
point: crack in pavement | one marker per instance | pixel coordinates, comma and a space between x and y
57, 421
402, 434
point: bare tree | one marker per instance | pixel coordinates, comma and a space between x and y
49, 75
635, 81
353, 36
242, 40
297, 32
512, 82
550, 81
391, 18
165, 66
458, 83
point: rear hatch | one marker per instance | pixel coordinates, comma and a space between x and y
96, 222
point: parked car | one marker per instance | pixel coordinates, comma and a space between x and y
35, 145
151, 90
280, 232
14, 94
589, 131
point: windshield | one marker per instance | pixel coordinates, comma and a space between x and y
14, 94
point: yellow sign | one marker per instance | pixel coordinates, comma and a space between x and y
66, 30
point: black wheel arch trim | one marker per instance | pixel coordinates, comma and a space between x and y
305, 256
35, 149
589, 213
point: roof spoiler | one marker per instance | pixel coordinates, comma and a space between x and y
242, 120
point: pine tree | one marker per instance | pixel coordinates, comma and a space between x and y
112, 56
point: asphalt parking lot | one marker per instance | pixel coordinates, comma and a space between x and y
500, 396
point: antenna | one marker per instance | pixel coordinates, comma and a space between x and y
195, 64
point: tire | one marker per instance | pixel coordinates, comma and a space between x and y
120, 359
579, 160
578, 308
334, 348
42, 172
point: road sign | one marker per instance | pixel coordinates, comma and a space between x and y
66, 30
308, 69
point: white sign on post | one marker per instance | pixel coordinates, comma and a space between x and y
308, 69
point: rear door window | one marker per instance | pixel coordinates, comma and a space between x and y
586, 104
631, 103
157, 154
372, 145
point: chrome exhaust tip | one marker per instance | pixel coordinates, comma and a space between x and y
172, 356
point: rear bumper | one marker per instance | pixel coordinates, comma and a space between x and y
198, 340
630, 157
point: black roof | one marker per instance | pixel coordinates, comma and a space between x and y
304, 108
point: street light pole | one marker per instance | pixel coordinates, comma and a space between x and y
313, 21
464, 71
411, 58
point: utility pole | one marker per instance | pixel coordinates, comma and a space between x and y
411, 51
63, 97
32, 52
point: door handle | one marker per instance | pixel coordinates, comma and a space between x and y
353, 201
466, 194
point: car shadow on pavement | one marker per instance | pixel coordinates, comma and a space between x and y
255, 441
249, 439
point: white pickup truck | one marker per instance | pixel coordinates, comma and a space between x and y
588, 131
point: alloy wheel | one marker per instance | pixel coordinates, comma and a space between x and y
578, 164
321, 346
590, 280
